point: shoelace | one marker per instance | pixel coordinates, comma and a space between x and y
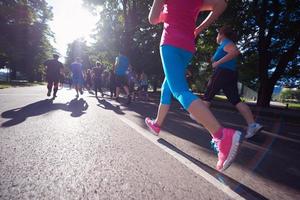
153, 123
214, 145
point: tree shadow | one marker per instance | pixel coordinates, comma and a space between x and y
77, 107
108, 106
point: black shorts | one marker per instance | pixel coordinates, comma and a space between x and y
52, 79
98, 83
61, 78
121, 81
226, 80
131, 86
143, 88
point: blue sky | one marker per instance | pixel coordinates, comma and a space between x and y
71, 21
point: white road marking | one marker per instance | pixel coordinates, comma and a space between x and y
183, 160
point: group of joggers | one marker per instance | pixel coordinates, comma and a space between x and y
177, 47
122, 76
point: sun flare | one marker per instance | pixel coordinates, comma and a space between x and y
71, 21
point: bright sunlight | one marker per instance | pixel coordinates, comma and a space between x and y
71, 21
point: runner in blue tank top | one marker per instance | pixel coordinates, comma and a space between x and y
120, 69
220, 53
77, 73
225, 77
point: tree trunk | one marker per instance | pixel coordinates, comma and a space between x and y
265, 93
13, 73
267, 84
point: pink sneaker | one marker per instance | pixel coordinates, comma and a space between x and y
227, 147
154, 128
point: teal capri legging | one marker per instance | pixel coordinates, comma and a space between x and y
175, 61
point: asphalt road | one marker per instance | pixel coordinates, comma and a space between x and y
90, 148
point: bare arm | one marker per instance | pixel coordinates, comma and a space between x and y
232, 52
116, 63
216, 7
61, 69
155, 12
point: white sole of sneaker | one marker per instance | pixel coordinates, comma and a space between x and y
151, 130
233, 150
247, 136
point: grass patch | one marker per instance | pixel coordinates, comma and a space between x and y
4, 85
220, 97
291, 106
294, 106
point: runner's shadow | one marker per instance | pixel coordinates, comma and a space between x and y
77, 107
91, 92
19, 115
108, 106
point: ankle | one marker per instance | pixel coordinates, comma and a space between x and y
251, 124
218, 134
156, 123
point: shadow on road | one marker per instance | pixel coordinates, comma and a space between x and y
76, 107
108, 106
239, 188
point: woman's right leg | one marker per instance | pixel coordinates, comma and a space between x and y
165, 101
162, 112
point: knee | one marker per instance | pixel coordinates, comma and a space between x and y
185, 98
206, 103
241, 106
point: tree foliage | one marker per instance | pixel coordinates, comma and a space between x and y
268, 40
123, 24
79, 49
24, 36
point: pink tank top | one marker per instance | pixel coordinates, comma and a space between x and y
180, 23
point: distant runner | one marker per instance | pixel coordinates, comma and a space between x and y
120, 69
97, 78
77, 72
54, 69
